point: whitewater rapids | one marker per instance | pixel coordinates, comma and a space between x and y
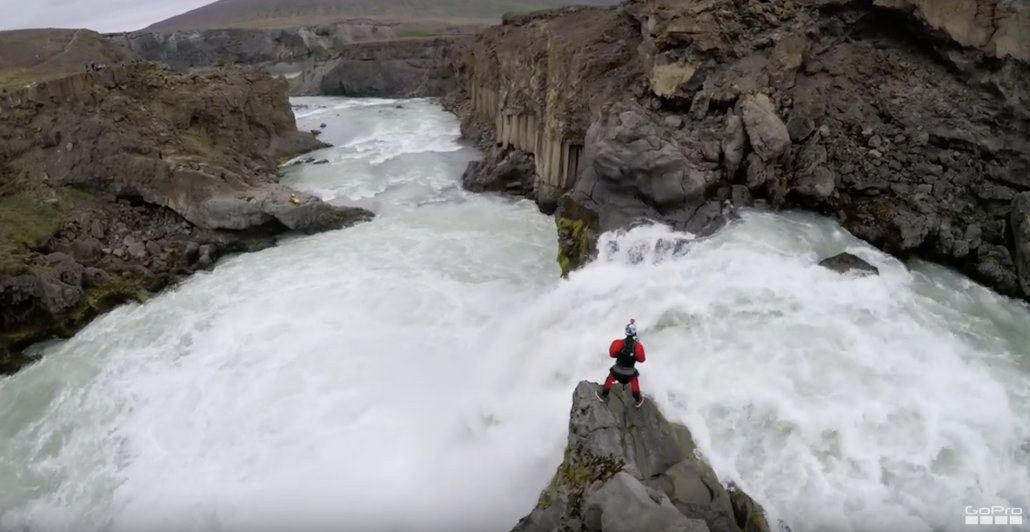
415, 372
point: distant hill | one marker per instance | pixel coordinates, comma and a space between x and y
41, 54
429, 14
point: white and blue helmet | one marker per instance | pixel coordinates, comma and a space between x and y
631, 328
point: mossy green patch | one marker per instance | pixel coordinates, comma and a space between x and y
94, 302
10, 361
578, 471
28, 219
16, 78
573, 245
749, 514
199, 142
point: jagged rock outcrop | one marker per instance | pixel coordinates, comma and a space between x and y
630, 470
510, 171
196, 49
907, 120
115, 183
404, 68
638, 170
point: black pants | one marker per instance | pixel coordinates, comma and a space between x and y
623, 376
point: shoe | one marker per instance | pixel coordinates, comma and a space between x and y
639, 403
599, 396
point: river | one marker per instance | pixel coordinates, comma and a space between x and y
415, 372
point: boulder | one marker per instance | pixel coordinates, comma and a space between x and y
767, 133
846, 263
501, 170
634, 171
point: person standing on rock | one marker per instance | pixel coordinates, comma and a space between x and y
626, 352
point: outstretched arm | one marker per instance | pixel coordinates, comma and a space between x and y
638, 352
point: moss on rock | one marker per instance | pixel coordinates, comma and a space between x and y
578, 470
578, 227
28, 219
573, 246
94, 302
749, 514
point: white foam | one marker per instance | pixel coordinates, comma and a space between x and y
415, 373
380, 148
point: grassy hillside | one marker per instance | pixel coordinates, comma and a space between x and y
430, 15
37, 55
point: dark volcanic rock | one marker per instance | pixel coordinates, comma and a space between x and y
630, 470
633, 170
117, 182
848, 263
510, 171
1021, 237
916, 140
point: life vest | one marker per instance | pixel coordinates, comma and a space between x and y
626, 358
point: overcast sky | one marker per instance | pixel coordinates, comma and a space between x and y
105, 16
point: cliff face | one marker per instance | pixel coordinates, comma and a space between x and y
908, 120
387, 69
117, 182
187, 49
536, 82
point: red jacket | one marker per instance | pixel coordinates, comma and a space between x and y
638, 350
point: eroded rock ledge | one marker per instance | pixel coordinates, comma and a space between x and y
907, 120
116, 183
630, 470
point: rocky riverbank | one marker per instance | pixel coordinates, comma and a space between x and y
631, 470
118, 181
907, 121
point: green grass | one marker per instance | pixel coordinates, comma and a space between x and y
27, 221
15, 78
201, 143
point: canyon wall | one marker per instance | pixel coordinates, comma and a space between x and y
195, 49
384, 69
907, 120
535, 83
